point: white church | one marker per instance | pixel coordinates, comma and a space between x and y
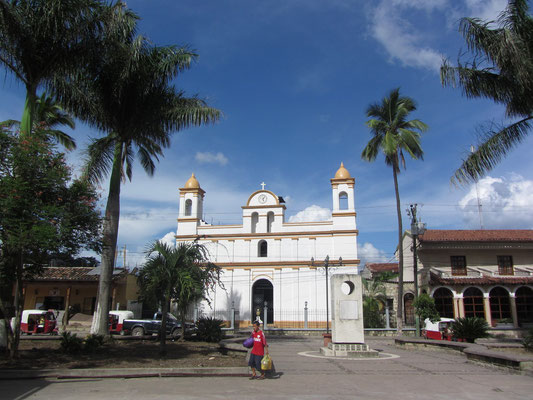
270, 262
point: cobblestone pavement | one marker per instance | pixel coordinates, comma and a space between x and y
413, 374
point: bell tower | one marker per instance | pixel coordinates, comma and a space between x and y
191, 207
342, 186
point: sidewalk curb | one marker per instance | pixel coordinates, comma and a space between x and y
124, 373
474, 352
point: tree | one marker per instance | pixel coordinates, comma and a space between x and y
181, 274
43, 39
49, 117
393, 135
501, 69
374, 297
425, 308
129, 95
41, 212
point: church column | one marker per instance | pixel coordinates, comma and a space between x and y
486, 305
194, 209
458, 306
248, 246
512, 298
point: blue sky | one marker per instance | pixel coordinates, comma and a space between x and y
293, 79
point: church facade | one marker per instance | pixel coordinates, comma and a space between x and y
271, 267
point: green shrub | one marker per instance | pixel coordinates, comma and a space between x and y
425, 308
209, 329
372, 315
70, 343
470, 329
93, 342
527, 341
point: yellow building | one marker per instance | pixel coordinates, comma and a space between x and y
77, 287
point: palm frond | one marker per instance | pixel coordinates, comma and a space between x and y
99, 158
188, 112
499, 141
145, 158
501, 69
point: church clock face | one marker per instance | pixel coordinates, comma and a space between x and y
262, 199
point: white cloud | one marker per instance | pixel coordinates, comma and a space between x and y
506, 203
312, 213
169, 239
400, 38
141, 225
398, 28
367, 253
211, 158
486, 10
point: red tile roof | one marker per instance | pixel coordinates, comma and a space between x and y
66, 274
382, 267
482, 280
499, 235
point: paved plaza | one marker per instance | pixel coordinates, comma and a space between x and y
404, 374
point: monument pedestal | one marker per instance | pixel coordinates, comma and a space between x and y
348, 334
355, 350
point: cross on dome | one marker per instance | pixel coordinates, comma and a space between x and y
263, 184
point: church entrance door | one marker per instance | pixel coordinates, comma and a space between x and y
262, 291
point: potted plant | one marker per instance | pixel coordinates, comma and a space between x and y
505, 323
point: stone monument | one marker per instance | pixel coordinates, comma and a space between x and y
348, 335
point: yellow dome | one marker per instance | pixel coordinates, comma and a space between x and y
342, 173
192, 183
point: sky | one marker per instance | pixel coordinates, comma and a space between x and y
293, 79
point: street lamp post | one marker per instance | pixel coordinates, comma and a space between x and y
326, 267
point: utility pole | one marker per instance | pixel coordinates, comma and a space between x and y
417, 228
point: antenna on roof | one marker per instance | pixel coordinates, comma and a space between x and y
472, 149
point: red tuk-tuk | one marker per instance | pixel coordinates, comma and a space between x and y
38, 321
439, 330
116, 319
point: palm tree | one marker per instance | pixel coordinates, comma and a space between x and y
501, 69
374, 296
180, 274
49, 116
393, 134
129, 96
43, 39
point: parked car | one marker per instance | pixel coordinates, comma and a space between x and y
116, 320
37, 322
141, 327
439, 330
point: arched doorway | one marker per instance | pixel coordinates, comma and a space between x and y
409, 309
473, 302
500, 304
444, 302
262, 291
524, 305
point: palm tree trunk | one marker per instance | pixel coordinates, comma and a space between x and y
399, 308
163, 334
183, 312
29, 109
19, 294
109, 244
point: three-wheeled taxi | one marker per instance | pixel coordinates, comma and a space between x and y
116, 320
439, 330
38, 321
